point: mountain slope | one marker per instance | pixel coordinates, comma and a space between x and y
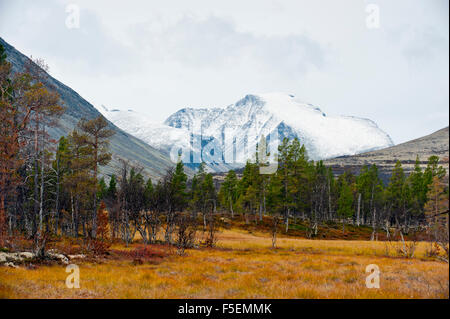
122, 144
248, 120
436, 143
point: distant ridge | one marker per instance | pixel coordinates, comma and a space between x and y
436, 143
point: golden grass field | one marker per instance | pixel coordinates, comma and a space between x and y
242, 266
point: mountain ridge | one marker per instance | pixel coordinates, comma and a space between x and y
436, 143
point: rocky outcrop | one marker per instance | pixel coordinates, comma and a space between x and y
18, 258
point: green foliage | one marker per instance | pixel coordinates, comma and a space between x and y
345, 201
418, 186
178, 187
228, 193
399, 194
102, 189
203, 192
370, 187
112, 188
149, 195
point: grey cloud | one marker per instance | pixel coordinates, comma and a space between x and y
89, 47
420, 45
425, 43
215, 42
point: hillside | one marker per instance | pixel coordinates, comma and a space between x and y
436, 143
122, 144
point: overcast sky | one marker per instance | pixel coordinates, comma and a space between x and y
158, 56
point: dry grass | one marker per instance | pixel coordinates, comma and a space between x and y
243, 266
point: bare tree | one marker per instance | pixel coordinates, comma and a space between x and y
186, 230
211, 228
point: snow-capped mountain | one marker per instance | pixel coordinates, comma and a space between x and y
225, 130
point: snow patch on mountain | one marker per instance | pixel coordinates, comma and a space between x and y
257, 115
158, 135
324, 136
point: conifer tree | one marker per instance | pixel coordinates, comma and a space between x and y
97, 135
370, 187
149, 193
398, 194
101, 189
247, 190
418, 188
345, 202
284, 163
112, 187
178, 185
228, 192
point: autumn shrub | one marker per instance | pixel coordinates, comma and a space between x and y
100, 245
17, 242
142, 254
186, 230
67, 246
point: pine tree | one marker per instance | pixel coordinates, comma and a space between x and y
418, 188
345, 202
97, 135
60, 168
247, 191
102, 189
228, 192
149, 193
298, 177
178, 185
370, 187
284, 165
112, 188
275, 196
194, 196
398, 194
79, 182
433, 169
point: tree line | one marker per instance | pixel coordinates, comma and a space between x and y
308, 190
302, 188
51, 189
